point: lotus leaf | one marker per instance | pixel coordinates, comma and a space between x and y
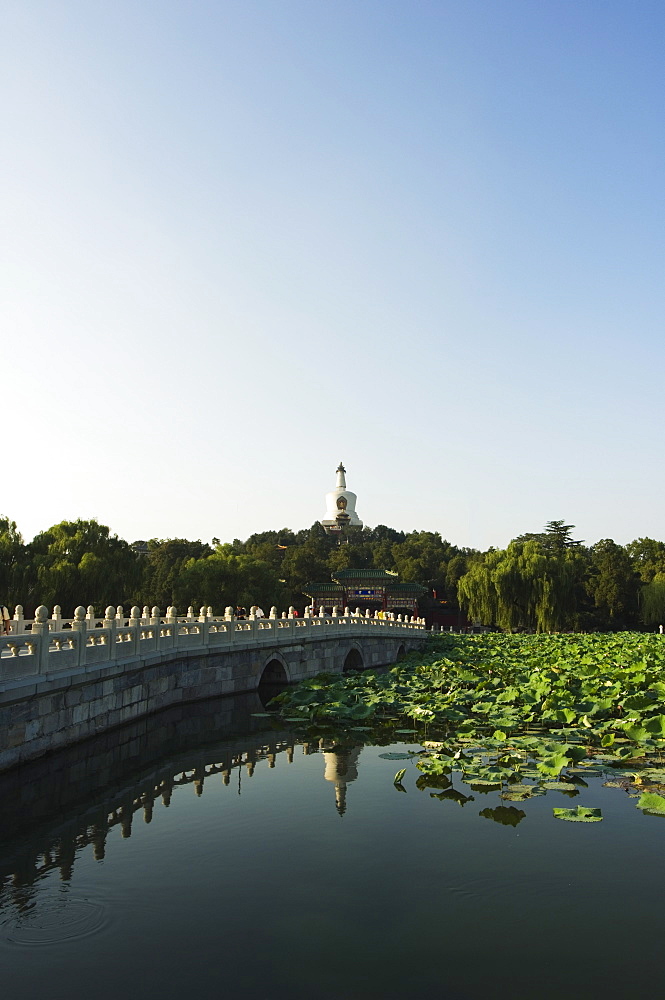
656, 725
582, 814
652, 803
561, 786
553, 764
655, 774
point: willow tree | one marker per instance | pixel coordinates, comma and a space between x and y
12, 562
652, 600
526, 585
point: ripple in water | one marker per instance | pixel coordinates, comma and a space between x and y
55, 922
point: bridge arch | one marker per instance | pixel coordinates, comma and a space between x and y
275, 670
353, 660
401, 653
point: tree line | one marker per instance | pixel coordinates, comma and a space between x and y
545, 582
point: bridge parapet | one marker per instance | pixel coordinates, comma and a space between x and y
47, 645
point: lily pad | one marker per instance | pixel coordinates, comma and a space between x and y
520, 793
654, 774
582, 814
561, 786
396, 756
652, 803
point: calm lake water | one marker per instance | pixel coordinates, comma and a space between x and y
203, 854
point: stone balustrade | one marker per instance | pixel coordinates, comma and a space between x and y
51, 643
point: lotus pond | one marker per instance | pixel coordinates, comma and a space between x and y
340, 845
522, 715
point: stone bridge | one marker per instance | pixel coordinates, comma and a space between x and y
66, 680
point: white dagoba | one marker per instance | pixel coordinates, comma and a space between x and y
341, 505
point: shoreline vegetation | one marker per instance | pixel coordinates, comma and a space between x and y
542, 582
521, 715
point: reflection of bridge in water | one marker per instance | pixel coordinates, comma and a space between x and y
55, 808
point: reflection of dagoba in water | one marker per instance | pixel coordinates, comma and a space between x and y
58, 806
341, 768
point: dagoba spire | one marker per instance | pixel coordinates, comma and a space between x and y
341, 477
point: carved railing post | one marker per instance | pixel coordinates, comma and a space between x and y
168, 635
79, 625
135, 626
110, 624
204, 625
55, 624
18, 621
40, 628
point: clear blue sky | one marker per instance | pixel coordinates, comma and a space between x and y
244, 240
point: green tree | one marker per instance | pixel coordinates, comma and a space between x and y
12, 563
80, 562
225, 579
613, 584
648, 557
555, 535
161, 569
652, 599
526, 586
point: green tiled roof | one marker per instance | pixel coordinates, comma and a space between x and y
328, 588
364, 574
405, 588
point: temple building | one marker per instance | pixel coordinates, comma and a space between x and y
340, 506
367, 589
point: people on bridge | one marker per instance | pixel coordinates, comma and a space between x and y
5, 620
